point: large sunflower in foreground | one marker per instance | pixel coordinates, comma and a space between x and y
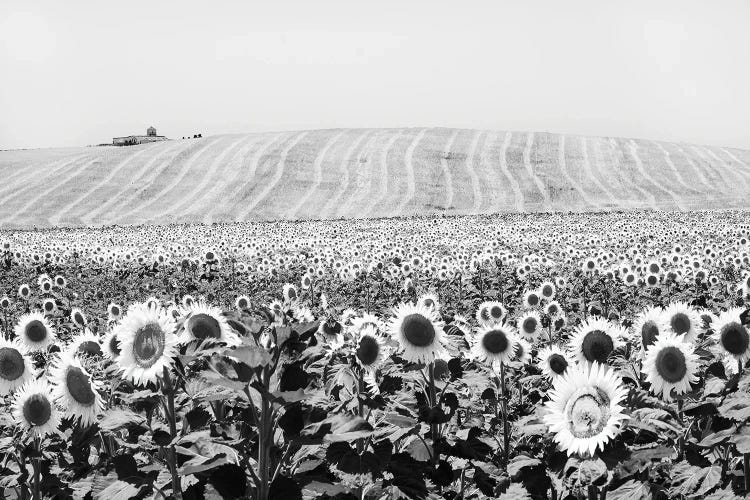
74, 389
585, 412
670, 365
419, 332
147, 343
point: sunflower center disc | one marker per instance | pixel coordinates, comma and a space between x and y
485, 314
90, 347
114, 345
368, 350
37, 410
79, 318
670, 363
36, 331
558, 363
529, 325
680, 323
597, 346
587, 413
533, 300
79, 386
203, 326
496, 312
734, 338
429, 303
148, 345
649, 332
418, 330
11, 363
547, 291
495, 341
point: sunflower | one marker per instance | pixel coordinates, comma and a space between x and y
16, 367
530, 325
5, 302
731, 336
531, 299
358, 323
670, 365
78, 318
290, 293
204, 321
495, 344
111, 345
85, 343
187, 301
114, 311
331, 331
242, 302
648, 325
554, 362
34, 409
522, 352
49, 306
147, 343
35, 331
584, 411
74, 389
430, 301
419, 332
490, 313
553, 309
594, 340
370, 351
548, 290
683, 319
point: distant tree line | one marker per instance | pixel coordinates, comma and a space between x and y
195, 136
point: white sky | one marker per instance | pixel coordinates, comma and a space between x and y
80, 72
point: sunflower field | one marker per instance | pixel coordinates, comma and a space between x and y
586, 356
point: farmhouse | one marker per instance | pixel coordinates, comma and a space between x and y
131, 140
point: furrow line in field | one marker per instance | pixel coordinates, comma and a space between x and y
317, 175
537, 181
410, 180
647, 176
330, 209
275, 180
475, 188
446, 170
383, 188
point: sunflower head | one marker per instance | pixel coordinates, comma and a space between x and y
595, 340
419, 331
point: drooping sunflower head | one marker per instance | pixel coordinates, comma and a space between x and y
594, 341
584, 411
419, 332
74, 389
78, 318
370, 351
34, 331
85, 344
648, 325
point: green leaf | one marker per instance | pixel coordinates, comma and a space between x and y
117, 418
519, 462
631, 490
119, 490
736, 406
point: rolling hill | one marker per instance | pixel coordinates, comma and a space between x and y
356, 173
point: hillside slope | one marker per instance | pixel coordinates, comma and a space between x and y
363, 173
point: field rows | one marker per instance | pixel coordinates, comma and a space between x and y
363, 173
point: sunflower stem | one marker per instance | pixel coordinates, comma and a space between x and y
169, 391
506, 436
681, 441
593, 493
746, 469
433, 403
264, 448
35, 462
